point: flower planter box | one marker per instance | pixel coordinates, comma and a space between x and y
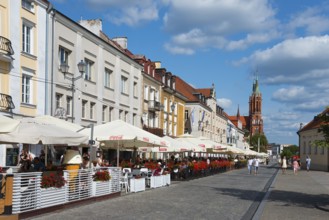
52, 196
137, 185
166, 180
156, 181
100, 188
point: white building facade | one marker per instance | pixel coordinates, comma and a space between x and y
109, 88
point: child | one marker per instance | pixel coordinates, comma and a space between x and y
295, 166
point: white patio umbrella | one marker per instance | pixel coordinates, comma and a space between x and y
178, 145
47, 119
29, 131
199, 145
7, 124
119, 134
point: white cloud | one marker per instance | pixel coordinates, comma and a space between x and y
210, 23
293, 60
178, 50
129, 12
289, 94
224, 103
313, 20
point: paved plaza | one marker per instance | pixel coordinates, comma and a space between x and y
231, 195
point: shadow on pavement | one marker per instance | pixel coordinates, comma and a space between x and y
284, 198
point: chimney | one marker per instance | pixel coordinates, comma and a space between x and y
94, 25
157, 64
122, 41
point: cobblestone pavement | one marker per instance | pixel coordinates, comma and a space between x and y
231, 195
301, 196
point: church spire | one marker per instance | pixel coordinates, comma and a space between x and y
255, 86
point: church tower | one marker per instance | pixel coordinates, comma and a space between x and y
255, 110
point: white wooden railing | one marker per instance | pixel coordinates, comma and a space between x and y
28, 194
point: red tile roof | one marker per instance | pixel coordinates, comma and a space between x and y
186, 89
316, 122
206, 92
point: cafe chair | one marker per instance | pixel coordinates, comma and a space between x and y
124, 182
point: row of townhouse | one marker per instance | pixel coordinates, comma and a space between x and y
52, 65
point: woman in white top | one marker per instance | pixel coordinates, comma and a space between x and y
284, 165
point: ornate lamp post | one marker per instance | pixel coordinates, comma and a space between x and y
65, 70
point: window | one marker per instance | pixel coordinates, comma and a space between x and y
126, 116
104, 113
175, 130
135, 89
134, 119
64, 56
186, 115
315, 149
168, 82
27, 38
84, 108
309, 148
59, 100
108, 78
27, 89
92, 110
146, 93
322, 150
68, 105
28, 5
124, 85
89, 68
121, 114
165, 104
111, 114
165, 127
152, 91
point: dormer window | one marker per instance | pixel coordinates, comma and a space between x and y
28, 5
163, 79
168, 81
173, 81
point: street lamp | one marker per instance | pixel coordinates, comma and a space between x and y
173, 107
65, 69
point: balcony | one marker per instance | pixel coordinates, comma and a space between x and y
5, 46
155, 131
6, 103
154, 106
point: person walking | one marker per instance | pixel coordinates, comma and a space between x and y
250, 162
308, 163
284, 165
256, 165
295, 166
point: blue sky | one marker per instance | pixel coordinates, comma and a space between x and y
226, 42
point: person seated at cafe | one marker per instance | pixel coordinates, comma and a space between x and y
95, 164
38, 165
42, 156
50, 166
158, 170
25, 160
106, 163
85, 162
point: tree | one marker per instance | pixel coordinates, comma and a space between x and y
324, 128
289, 151
263, 143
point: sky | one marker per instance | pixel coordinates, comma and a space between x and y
229, 42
